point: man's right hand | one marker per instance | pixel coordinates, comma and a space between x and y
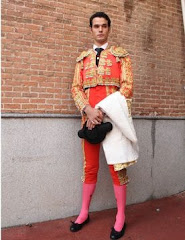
95, 116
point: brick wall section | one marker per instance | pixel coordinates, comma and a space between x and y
41, 40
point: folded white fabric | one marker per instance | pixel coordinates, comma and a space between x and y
120, 144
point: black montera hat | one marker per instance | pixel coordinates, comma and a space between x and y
97, 134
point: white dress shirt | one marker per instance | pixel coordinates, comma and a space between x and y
104, 46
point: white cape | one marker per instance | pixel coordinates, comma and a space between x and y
120, 144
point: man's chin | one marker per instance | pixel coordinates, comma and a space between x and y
101, 41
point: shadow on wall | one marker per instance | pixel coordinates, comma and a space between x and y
128, 9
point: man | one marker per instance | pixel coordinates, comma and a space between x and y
100, 72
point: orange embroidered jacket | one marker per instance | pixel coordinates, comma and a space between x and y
114, 70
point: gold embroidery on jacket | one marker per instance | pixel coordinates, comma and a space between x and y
123, 81
117, 59
109, 62
101, 81
90, 73
101, 70
83, 55
87, 66
78, 94
92, 64
104, 54
118, 51
126, 80
107, 71
102, 62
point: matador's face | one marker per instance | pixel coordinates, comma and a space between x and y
100, 30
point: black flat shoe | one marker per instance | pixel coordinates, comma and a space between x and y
116, 235
75, 227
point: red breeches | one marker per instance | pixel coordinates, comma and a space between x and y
91, 151
91, 165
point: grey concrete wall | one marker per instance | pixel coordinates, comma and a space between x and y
42, 168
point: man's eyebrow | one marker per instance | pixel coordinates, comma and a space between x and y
98, 25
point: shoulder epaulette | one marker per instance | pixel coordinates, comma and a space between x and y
83, 55
119, 52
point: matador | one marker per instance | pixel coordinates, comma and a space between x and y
100, 72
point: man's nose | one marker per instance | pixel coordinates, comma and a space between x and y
100, 28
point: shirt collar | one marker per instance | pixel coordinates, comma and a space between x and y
104, 46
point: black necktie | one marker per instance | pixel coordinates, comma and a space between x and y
98, 50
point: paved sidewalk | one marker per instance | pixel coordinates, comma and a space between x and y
161, 219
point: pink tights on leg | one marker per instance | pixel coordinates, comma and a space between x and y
120, 195
87, 192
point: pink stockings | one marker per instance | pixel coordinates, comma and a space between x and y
87, 192
120, 195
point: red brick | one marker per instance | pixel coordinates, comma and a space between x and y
30, 95
6, 100
29, 106
21, 100
45, 106
12, 106
41, 40
53, 101
12, 94
37, 100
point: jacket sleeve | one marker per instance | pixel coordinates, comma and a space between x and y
126, 81
126, 78
77, 90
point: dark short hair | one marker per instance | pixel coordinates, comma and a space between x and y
100, 15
